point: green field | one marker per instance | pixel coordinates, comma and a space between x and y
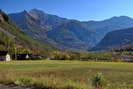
66, 74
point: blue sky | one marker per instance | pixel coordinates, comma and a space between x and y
83, 10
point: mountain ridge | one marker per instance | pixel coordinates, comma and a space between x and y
40, 26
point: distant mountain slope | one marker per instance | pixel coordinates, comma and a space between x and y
65, 33
116, 39
101, 28
71, 35
11, 36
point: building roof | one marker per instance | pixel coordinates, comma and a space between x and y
3, 53
23, 54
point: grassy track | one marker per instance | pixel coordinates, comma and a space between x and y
67, 73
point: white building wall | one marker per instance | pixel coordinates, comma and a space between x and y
8, 58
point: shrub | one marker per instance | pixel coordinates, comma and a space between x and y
98, 81
24, 82
57, 55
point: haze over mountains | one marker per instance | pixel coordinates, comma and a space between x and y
65, 33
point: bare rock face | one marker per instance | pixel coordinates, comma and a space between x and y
1, 18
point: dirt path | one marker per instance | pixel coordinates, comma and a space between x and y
13, 87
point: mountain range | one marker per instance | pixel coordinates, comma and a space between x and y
66, 33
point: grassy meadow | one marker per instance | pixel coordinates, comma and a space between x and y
50, 74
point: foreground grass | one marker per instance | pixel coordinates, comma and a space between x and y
50, 74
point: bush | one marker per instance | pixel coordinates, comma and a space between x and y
24, 82
57, 55
96, 56
98, 81
84, 56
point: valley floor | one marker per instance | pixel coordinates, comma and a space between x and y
65, 74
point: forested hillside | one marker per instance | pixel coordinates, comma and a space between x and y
11, 37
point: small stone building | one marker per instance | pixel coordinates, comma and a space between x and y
4, 56
23, 56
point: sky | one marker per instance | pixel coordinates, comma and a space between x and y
82, 10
